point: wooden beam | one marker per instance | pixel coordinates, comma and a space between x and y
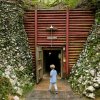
35, 28
67, 41
35, 36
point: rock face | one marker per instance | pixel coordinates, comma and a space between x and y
85, 75
15, 56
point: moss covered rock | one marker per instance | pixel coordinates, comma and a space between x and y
15, 56
85, 75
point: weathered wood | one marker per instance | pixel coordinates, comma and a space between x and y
71, 33
30, 30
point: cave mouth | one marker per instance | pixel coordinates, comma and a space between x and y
51, 57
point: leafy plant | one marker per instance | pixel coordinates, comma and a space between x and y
5, 88
50, 3
97, 19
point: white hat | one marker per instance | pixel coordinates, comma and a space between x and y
52, 66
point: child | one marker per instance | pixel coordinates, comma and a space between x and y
53, 78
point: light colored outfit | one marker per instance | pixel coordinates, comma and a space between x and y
53, 79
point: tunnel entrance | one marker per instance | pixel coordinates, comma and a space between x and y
52, 57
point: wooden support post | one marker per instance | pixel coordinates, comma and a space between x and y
35, 35
35, 29
67, 41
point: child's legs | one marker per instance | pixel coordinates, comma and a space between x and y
55, 86
50, 86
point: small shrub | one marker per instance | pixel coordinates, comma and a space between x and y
5, 88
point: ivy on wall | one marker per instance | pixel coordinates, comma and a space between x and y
15, 56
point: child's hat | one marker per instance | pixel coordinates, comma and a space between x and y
52, 66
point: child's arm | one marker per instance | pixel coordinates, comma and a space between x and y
50, 74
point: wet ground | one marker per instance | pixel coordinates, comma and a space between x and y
45, 95
65, 92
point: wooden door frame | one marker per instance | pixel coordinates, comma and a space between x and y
61, 61
39, 64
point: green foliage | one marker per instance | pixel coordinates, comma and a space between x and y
50, 3
85, 75
15, 56
1, 73
97, 92
94, 1
97, 17
27, 4
27, 88
5, 88
71, 3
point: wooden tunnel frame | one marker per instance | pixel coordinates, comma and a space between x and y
73, 27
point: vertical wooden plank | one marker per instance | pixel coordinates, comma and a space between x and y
36, 45
67, 41
35, 29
